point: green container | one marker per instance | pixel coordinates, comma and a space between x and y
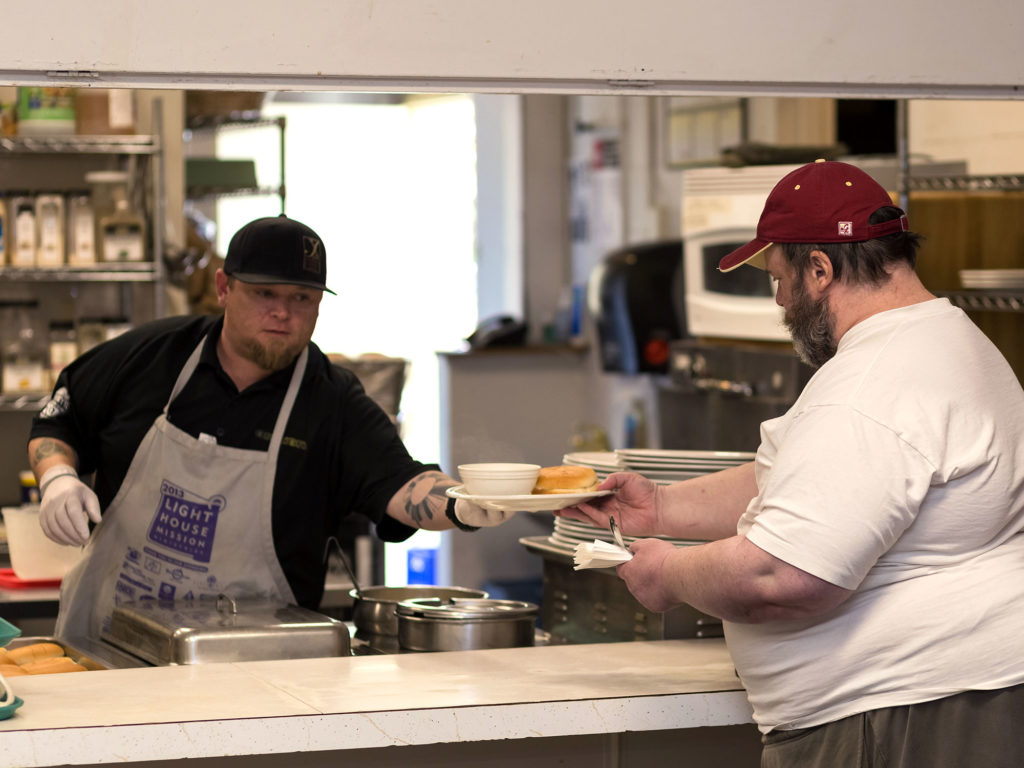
46, 111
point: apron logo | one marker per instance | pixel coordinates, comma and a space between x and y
186, 523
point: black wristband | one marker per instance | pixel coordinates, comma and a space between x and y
449, 512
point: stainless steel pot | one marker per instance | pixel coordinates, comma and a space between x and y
432, 624
373, 612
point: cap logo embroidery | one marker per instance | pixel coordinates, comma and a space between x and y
312, 260
846, 228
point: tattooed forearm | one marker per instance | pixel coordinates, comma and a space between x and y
423, 497
47, 447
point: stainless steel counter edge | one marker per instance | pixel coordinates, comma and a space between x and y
346, 703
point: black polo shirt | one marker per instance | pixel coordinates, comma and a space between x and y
341, 455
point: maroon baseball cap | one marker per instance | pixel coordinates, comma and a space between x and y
821, 202
276, 249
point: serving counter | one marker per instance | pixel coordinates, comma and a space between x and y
613, 704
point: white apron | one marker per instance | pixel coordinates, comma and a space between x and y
192, 519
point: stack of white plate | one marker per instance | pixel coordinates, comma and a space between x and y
661, 466
602, 462
569, 533
992, 279
668, 466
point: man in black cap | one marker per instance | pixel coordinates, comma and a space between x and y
226, 450
869, 564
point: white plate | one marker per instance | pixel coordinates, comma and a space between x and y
658, 453
607, 460
533, 502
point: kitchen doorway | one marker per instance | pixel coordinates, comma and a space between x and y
390, 185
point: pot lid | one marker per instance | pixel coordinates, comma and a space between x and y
466, 608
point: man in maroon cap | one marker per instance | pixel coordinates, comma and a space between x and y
868, 565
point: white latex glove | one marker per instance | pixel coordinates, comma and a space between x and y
66, 506
471, 514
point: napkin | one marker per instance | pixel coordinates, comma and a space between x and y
599, 554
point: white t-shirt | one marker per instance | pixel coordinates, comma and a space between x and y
898, 473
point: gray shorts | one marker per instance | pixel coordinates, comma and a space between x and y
975, 729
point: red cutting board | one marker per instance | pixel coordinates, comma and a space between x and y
9, 581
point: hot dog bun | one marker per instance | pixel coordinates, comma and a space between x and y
5, 657
52, 666
34, 652
565, 479
11, 670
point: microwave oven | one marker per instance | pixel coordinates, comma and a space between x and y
720, 210
736, 305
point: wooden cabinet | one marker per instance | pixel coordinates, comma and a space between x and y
980, 226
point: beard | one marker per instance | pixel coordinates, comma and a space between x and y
270, 357
811, 325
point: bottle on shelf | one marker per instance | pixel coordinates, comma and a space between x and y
23, 250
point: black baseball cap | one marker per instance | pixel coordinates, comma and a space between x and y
276, 249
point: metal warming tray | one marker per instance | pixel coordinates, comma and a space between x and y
199, 632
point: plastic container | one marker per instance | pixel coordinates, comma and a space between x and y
50, 230
33, 556
81, 231
23, 240
23, 352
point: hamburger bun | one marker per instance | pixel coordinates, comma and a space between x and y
566, 479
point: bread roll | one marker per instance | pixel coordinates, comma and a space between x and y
34, 652
11, 670
566, 479
5, 657
52, 666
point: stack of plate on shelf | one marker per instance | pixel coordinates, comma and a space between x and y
665, 466
992, 279
661, 466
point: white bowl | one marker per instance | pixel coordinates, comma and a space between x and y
499, 479
33, 556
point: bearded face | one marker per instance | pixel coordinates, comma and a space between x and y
811, 324
269, 325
